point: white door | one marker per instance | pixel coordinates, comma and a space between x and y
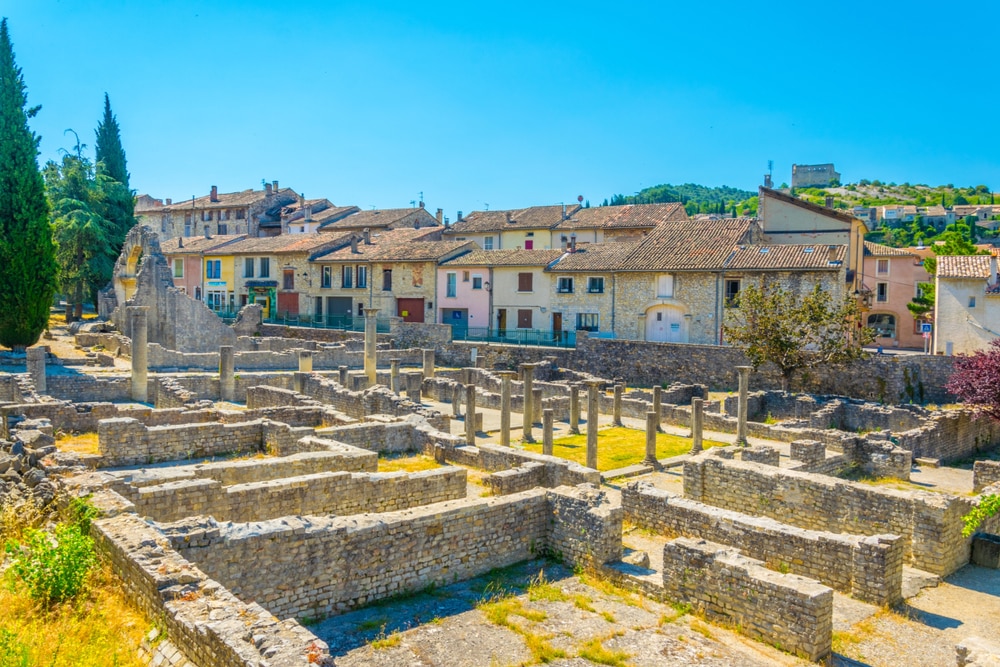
665, 325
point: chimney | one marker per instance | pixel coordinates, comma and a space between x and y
993, 268
169, 201
309, 212
572, 242
215, 194
767, 181
354, 244
440, 216
831, 253
180, 241
564, 212
302, 200
829, 201
366, 233
510, 217
267, 189
275, 186
207, 235
421, 204
459, 217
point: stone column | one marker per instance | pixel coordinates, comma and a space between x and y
456, 400
299, 382
428, 363
697, 423
529, 418
505, 378
343, 375
394, 375
305, 361
227, 373
618, 404
413, 384
140, 351
470, 414
593, 403
36, 366
574, 409
652, 426
741, 414
658, 405
371, 347
548, 415
536, 401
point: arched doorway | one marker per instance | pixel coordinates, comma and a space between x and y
666, 324
884, 324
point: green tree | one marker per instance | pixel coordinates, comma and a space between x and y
27, 262
794, 331
81, 232
118, 207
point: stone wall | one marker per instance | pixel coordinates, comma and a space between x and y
930, 524
868, 568
82, 387
518, 466
127, 441
318, 493
789, 611
985, 473
376, 400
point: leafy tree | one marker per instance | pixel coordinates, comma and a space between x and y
81, 232
960, 201
922, 305
795, 331
27, 263
118, 204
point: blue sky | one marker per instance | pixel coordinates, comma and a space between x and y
515, 103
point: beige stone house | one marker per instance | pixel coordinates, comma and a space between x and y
394, 270
220, 213
967, 307
526, 229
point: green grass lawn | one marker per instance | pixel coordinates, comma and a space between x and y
618, 447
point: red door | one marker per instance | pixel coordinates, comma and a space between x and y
288, 303
411, 310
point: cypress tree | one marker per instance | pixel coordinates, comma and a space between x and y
27, 256
113, 179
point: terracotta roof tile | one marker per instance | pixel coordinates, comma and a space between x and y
285, 243
963, 266
533, 217
226, 200
597, 257
513, 257
779, 257
630, 216
395, 247
879, 250
196, 245
678, 246
377, 219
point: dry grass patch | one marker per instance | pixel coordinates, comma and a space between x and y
78, 443
594, 651
618, 447
407, 463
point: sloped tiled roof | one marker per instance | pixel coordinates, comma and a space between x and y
513, 257
963, 266
533, 217
879, 250
378, 218
196, 245
285, 243
398, 250
630, 216
779, 257
226, 200
597, 257
689, 245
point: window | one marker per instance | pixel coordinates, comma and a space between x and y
665, 286
452, 284
318, 306
163, 223
223, 229
347, 277
361, 309
477, 282
288, 279
362, 277
248, 267
595, 285
883, 324
524, 319
972, 302
178, 268
529, 244
326, 280
213, 269
465, 276
386, 280
206, 216
488, 243
265, 267
187, 225
240, 214
881, 267
565, 285
224, 215
882, 292
215, 300
732, 293
587, 321
524, 282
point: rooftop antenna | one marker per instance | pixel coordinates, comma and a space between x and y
413, 203
486, 205
770, 168
421, 193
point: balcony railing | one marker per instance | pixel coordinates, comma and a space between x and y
515, 336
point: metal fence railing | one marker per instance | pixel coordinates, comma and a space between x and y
515, 336
341, 322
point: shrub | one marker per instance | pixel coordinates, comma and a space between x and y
53, 567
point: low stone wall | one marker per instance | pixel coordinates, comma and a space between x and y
985, 473
376, 400
930, 524
83, 387
320, 566
789, 611
318, 493
868, 568
516, 469
209, 625
126, 441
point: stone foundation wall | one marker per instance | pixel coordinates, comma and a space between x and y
518, 466
126, 441
82, 387
377, 400
868, 568
930, 524
318, 493
783, 609
985, 473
